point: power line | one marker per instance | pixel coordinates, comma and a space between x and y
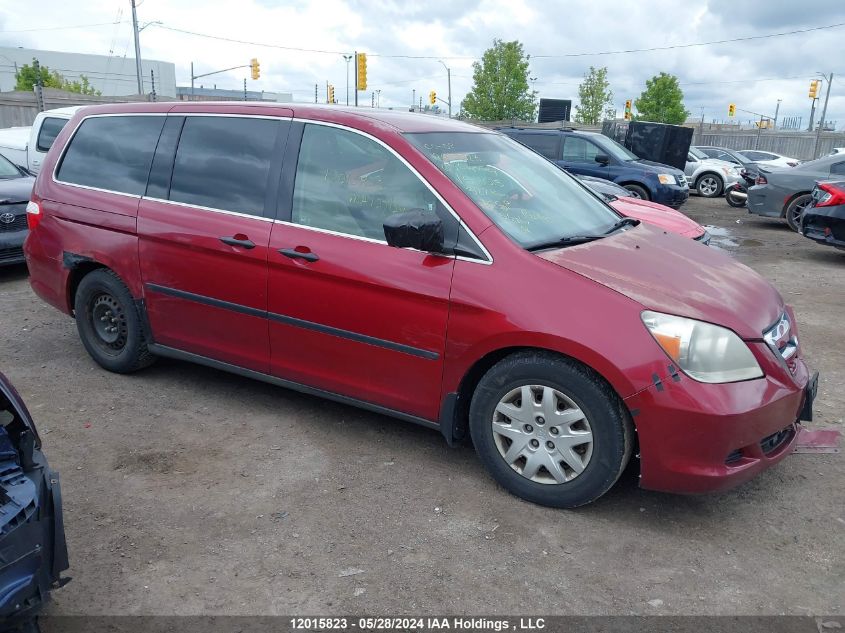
675, 46
62, 28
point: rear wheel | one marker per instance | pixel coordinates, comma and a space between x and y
550, 430
709, 186
796, 209
637, 191
109, 324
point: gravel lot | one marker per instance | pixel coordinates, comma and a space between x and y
191, 491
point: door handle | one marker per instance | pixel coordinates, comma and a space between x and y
295, 254
234, 241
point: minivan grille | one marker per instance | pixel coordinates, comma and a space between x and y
780, 339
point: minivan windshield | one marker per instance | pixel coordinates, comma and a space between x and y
533, 201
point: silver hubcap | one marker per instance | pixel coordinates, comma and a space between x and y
542, 434
708, 186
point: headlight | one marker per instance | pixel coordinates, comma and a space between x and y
705, 352
666, 179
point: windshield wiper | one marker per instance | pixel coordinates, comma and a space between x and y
572, 240
626, 221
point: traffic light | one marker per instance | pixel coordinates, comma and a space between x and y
627, 115
731, 109
330, 94
362, 71
432, 97
814, 88
254, 68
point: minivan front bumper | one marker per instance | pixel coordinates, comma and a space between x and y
697, 438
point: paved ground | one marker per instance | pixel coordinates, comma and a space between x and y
191, 491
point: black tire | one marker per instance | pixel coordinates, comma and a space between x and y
713, 180
639, 192
795, 209
609, 422
103, 301
735, 202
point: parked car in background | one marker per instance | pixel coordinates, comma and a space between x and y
769, 159
15, 190
823, 219
709, 176
33, 551
27, 146
783, 193
727, 155
568, 325
593, 154
657, 214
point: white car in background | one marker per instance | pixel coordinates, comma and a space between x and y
769, 159
27, 146
837, 150
709, 176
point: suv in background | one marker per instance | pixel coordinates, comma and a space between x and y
593, 154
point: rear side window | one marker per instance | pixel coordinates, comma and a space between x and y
544, 144
579, 150
112, 153
224, 163
50, 128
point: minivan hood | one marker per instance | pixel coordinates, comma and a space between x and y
668, 273
657, 168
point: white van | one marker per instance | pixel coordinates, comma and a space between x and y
26, 146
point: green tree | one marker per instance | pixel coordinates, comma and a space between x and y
662, 101
595, 97
26, 78
500, 85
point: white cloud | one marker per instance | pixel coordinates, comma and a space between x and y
464, 28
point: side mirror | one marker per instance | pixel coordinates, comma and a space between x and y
417, 228
604, 159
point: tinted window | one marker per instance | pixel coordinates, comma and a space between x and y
50, 129
112, 152
837, 168
348, 183
712, 153
579, 150
544, 144
224, 163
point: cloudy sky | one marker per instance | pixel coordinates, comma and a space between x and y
404, 40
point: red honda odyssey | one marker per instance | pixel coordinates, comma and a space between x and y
425, 269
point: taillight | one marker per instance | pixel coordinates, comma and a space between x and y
33, 214
761, 180
828, 195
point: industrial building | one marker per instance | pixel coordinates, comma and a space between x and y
113, 76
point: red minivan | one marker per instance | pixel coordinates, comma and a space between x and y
422, 268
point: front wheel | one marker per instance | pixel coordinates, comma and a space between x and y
109, 324
796, 209
637, 191
709, 186
550, 430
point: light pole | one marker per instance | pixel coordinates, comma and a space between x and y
137, 49
824, 112
777, 109
347, 58
378, 97
449, 79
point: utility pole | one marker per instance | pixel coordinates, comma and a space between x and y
812, 114
315, 93
356, 79
824, 113
153, 84
245, 89
413, 98
39, 92
347, 58
192, 81
373, 99
378, 98
137, 49
777, 109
